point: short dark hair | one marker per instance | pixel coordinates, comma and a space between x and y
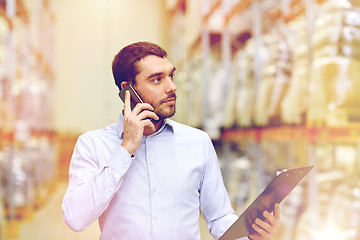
124, 65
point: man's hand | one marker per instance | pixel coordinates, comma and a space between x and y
134, 123
265, 230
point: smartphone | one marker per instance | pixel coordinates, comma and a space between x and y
134, 96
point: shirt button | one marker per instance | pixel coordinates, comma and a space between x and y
154, 189
125, 165
152, 163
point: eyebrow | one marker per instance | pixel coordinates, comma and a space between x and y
160, 73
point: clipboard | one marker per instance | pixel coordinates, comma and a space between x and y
279, 187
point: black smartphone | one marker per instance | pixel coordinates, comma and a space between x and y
134, 96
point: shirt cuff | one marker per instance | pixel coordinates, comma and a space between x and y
120, 162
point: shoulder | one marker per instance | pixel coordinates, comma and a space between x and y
103, 134
188, 131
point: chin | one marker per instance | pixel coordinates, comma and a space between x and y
166, 114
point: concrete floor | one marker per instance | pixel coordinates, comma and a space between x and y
48, 223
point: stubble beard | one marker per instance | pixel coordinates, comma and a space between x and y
163, 113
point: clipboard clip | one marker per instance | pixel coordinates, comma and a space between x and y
281, 171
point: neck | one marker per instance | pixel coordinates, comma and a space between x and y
148, 131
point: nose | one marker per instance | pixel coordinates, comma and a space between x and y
171, 86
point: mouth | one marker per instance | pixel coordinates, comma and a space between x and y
170, 100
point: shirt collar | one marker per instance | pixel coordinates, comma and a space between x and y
168, 125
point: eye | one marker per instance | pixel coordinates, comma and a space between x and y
172, 76
156, 80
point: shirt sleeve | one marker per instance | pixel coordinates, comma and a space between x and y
215, 203
92, 183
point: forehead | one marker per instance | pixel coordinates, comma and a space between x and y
154, 64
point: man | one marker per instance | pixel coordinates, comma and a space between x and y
146, 177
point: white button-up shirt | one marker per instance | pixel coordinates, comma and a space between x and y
154, 194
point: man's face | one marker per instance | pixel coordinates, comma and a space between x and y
155, 84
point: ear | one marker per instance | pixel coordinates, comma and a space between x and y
123, 84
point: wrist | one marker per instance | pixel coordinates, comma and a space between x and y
128, 148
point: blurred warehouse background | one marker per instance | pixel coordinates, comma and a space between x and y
276, 84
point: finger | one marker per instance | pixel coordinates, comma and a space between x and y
253, 236
261, 231
269, 227
277, 211
147, 114
145, 110
269, 217
148, 123
141, 107
127, 104
274, 218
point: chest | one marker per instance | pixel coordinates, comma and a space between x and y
167, 168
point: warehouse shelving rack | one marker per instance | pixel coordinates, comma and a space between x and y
27, 139
237, 27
